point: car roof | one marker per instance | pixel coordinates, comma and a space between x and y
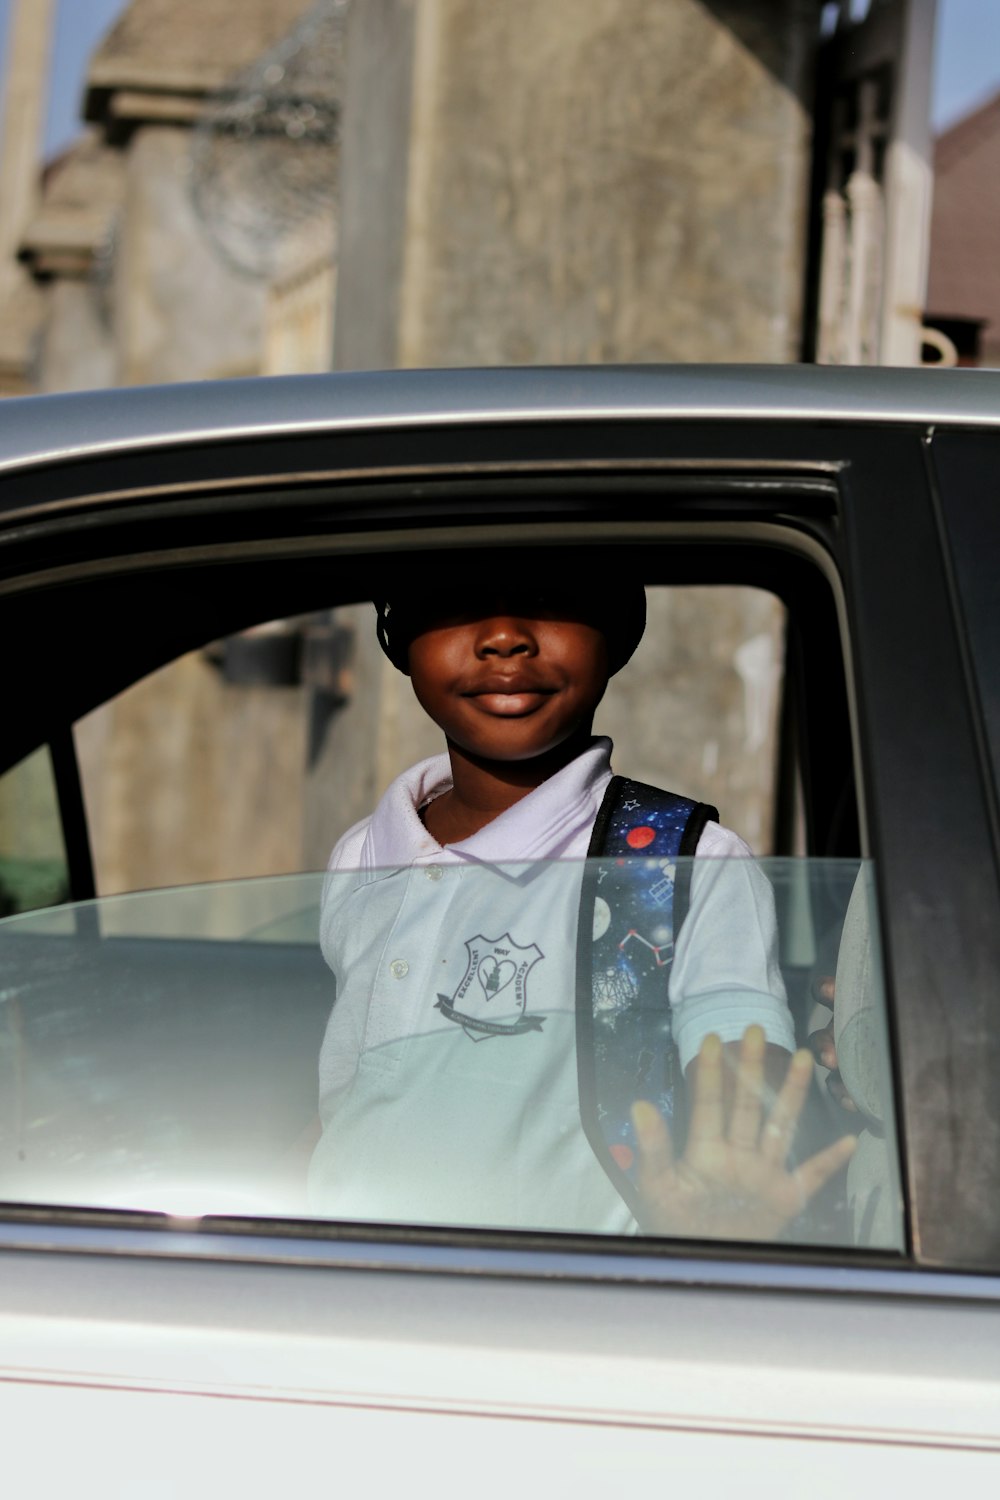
60, 427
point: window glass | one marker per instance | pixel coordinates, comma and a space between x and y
433, 1045
33, 869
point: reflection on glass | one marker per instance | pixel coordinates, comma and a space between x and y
478, 1062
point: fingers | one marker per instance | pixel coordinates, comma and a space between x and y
824, 1050
776, 1137
837, 1090
706, 1107
825, 990
744, 1122
823, 1047
656, 1152
812, 1174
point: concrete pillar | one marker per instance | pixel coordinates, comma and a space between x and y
909, 183
621, 180
25, 94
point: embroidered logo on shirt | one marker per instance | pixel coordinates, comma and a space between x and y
493, 996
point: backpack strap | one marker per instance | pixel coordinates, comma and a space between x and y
631, 908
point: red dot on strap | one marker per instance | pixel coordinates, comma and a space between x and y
638, 838
624, 1156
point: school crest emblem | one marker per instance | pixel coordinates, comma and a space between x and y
492, 998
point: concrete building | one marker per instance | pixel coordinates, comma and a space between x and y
963, 295
181, 313
125, 286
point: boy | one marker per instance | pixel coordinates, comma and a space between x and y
448, 1076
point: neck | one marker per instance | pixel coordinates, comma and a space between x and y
483, 789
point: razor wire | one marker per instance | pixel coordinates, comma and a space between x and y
265, 151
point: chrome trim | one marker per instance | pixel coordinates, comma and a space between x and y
82, 425
527, 1263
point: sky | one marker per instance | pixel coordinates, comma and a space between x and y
80, 24
967, 58
967, 65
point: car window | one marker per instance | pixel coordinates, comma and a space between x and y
461, 1044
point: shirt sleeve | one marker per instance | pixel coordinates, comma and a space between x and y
725, 975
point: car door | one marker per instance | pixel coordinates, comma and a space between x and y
686, 1353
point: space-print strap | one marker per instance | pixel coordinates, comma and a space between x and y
635, 818
630, 909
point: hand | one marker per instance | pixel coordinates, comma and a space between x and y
824, 1049
732, 1181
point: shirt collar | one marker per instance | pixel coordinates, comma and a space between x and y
548, 820
396, 836
543, 825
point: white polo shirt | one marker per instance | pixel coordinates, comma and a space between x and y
427, 1120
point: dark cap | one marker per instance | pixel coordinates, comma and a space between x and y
617, 610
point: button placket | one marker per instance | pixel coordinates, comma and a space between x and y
402, 995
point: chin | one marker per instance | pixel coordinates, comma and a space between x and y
513, 753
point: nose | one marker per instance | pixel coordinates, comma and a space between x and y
505, 635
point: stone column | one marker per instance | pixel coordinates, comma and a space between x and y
621, 180
25, 93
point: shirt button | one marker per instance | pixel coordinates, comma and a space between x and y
433, 872
399, 968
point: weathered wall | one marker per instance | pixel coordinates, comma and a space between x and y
76, 348
376, 152
380, 730
189, 778
181, 312
621, 180
697, 707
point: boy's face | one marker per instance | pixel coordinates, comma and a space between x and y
509, 679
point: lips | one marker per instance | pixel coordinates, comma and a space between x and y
509, 696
